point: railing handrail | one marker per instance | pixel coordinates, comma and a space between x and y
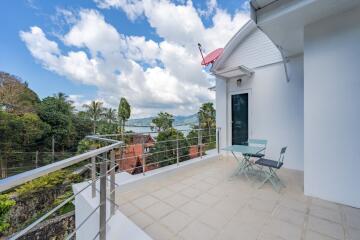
18, 179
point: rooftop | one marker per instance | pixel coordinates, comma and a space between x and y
201, 201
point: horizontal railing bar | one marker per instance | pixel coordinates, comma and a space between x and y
82, 223
18, 179
42, 218
134, 133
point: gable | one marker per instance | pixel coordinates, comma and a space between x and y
255, 50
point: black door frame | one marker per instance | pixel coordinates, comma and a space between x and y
229, 122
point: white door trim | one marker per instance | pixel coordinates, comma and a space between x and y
250, 109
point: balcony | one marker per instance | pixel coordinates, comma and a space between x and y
201, 201
187, 196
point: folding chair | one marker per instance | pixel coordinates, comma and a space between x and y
259, 143
273, 166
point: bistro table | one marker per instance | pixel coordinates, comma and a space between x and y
244, 164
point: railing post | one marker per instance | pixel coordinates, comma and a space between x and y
177, 148
3, 166
93, 177
112, 182
53, 148
102, 201
143, 156
36, 159
200, 142
218, 140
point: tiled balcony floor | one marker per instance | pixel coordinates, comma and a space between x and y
199, 201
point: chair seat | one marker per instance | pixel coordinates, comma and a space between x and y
255, 155
269, 163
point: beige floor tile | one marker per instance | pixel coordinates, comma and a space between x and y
144, 201
176, 221
325, 227
141, 219
177, 187
262, 205
176, 200
311, 235
269, 236
159, 232
228, 207
290, 215
294, 204
193, 208
132, 195
202, 186
326, 213
325, 204
191, 192
283, 229
162, 193
207, 199
236, 231
213, 219
159, 210
198, 231
128, 209
353, 234
352, 220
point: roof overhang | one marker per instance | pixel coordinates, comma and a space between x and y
283, 21
234, 72
218, 68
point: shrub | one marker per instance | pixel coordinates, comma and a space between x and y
5, 204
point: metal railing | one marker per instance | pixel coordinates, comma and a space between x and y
110, 159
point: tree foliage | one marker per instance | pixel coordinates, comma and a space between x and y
124, 113
95, 110
15, 96
163, 121
165, 150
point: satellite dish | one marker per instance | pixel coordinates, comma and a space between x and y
211, 57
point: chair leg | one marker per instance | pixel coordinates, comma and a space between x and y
273, 178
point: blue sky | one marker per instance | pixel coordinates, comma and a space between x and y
106, 49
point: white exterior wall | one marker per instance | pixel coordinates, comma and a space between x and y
254, 51
276, 109
332, 108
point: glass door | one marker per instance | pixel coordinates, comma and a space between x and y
239, 118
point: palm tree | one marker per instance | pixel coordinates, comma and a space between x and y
110, 115
95, 110
124, 113
206, 116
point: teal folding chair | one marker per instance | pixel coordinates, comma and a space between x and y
258, 143
272, 166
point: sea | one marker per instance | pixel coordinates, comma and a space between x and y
184, 128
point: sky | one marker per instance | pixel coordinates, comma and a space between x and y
145, 51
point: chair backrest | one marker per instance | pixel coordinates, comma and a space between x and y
282, 153
258, 142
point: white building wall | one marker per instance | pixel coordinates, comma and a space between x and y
253, 51
332, 108
276, 109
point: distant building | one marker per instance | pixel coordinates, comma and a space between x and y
131, 159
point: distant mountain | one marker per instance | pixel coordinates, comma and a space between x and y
178, 120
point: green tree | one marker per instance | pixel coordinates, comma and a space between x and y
110, 115
95, 110
124, 113
57, 111
165, 150
163, 121
207, 120
15, 95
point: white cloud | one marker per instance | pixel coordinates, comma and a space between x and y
154, 76
211, 6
